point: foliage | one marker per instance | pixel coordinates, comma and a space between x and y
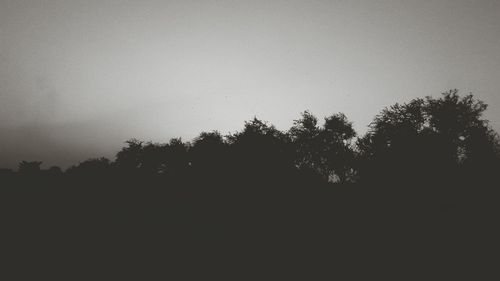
92, 166
426, 139
29, 167
326, 150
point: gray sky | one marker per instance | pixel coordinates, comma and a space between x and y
78, 78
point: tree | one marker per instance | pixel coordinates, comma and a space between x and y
260, 148
392, 142
176, 157
428, 138
305, 135
324, 150
209, 151
129, 157
91, 167
336, 137
458, 121
29, 167
153, 158
54, 171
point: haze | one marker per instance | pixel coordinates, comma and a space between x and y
78, 78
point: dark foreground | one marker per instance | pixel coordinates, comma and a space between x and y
61, 228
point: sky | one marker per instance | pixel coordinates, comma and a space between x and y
78, 78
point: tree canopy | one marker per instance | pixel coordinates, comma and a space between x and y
421, 140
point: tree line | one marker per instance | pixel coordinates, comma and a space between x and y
413, 192
425, 139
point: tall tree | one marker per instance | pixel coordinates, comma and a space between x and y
260, 148
129, 157
305, 135
336, 137
326, 150
208, 151
428, 138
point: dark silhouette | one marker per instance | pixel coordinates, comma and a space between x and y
29, 168
420, 184
325, 150
429, 141
93, 167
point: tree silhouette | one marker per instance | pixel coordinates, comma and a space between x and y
176, 157
29, 168
91, 167
129, 157
427, 139
55, 171
325, 150
152, 158
260, 151
209, 152
305, 135
336, 136
425, 172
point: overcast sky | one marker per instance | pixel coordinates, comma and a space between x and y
78, 78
